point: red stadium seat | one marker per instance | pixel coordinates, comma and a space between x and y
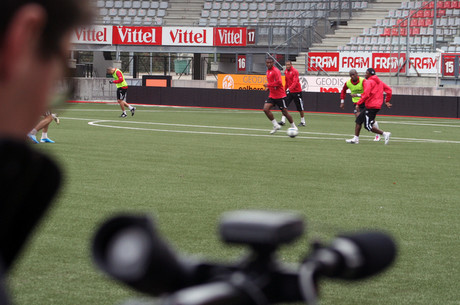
428, 13
394, 32
447, 4
440, 13
414, 31
386, 32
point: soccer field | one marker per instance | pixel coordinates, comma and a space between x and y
186, 166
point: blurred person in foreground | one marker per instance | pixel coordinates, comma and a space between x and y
34, 40
276, 96
372, 98
293, 91
356, 86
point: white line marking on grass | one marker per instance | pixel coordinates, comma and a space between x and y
321, 135
419, 124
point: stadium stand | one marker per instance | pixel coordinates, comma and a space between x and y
412, 23
132, 12
311, 25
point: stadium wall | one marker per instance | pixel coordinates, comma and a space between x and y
405, 105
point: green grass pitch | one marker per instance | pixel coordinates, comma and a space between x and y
186, 166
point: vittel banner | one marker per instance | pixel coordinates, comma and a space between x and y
187, 36
131, 35
230, 36
381, 62
97, 34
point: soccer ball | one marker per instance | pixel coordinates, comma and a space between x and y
292, 132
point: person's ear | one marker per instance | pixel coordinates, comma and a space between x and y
21, 40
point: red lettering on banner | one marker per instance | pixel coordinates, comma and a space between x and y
323, 61
91, 35
349, 62
230, 36
181, 37
137, 35
383, 62
423, 63
329, 90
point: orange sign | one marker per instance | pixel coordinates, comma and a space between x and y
242, 82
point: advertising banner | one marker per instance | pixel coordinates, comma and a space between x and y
132, 35
322, 83
187, 36
97, 34
381, 62
256, 82
241, 82
232, 37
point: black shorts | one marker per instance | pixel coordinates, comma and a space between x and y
121, 93
281, 103
297, 98
361, 108
367, 117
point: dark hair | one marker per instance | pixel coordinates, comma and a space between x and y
62, 16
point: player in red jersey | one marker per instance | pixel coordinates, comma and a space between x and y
276, 96
372, 98
293, 92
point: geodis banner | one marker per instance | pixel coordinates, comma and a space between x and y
242, 82
256, 82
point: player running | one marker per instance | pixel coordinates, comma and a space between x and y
122, 89
276, 96
293, 92
372, 98
355, 84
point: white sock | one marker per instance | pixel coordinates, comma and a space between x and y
275, 123
44, 135
283, 119
130, 107
33, 132
53, 115
356, 138
124, 112
293, 125
302, 119
376, 124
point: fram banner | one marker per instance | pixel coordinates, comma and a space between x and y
381, 62
128, 35
93, 35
